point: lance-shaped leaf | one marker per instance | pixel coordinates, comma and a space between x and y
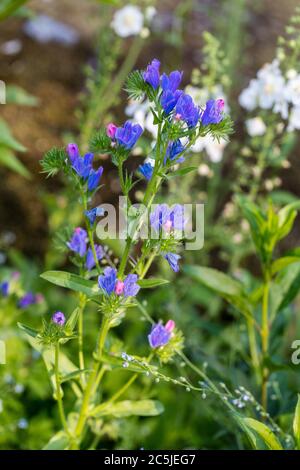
296, 423
73, 282
151, 282
268, 437
127, 408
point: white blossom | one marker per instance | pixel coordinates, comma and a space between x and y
294, 121
213, 148
128, 21
255, 126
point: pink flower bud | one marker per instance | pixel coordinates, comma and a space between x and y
111, 130
119, 287
177, 117
168, 225
170, 325
220, 104
72, 151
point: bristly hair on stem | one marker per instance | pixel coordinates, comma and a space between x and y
100, 143
54, 160
136, 87
221, 130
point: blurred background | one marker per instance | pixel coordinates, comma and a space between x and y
64, 64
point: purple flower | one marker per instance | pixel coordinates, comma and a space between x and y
78, 241
173, 259
111, 130
93, 213
169, 100
160, 335
151, 75
187, 110
27, 300
4, 288
83, 165
177, 217
94, 178
173, 150
59, 318
73, 152
108, 280
171, 82
147, 170
159, 216
128, 135
90, 259
213, 113
131, 287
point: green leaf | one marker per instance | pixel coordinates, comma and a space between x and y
215, 280
296, 423
17, 95
29, 331
8, 158
73, 375
151, 282
7, 140
283, 262
59, 441
264, 433
284, 288
127, 408
72, 321
8, 7
73, 282
182, 171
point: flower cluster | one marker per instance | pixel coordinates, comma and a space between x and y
11, 289
110, 284
276, 91
83, 167
79, 244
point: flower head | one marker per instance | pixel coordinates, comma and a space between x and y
131, 287
94, 178
83, 165
107, 280
151, 75
174, 149
4, 288
160, 335
28, 299
58, 318
90, 258
78, 242
168, 218
169, 99
213, 113
147, 170
72, 151
111, 130
93, 213
187, 110
128, 135
128, 21
172, 81
173, 259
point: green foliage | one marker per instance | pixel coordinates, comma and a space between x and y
135, 86
54, 161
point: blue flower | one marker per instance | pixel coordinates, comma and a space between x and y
160, 216
59, 318
171, 82
83, 165
177, 218
173, 259
94, 178
147, 170
78, 241
151, 75
93, 213
4, 288
107, 281
90, 259
28, 299
128, 135
169, 100
187, 110
131, 287
159, 336
166, 218
213, 113
173, 150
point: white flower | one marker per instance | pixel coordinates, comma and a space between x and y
150, 13
271, 84
213, 148
140, 113
293, 90
249, 96
202, 95
255, 126
294, 121
128, 21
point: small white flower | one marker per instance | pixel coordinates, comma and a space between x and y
294, 121
213, 148
150, 13
249, 96
128, 21
255, 126
293, 90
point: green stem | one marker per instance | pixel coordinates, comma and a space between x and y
265, 339
82, 302
58, 391
253, 348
